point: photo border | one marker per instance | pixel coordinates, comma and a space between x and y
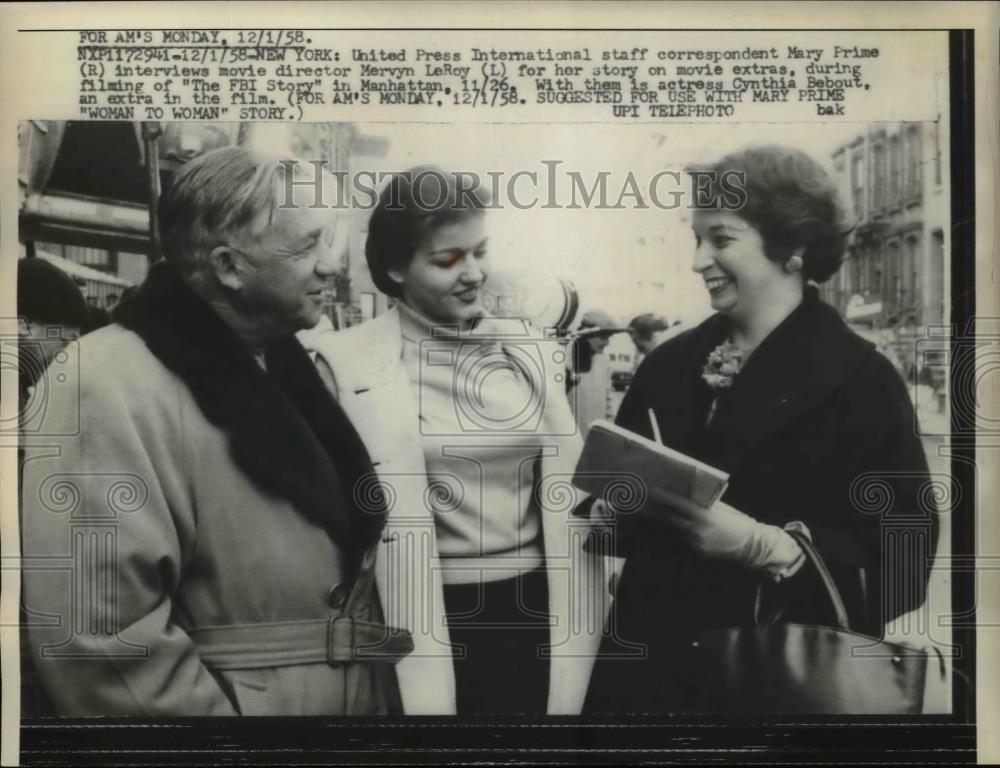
660, 738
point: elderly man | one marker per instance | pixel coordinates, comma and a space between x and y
194, 546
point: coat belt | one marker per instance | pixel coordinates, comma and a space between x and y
334, 641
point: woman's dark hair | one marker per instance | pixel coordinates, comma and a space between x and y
787, 196
413, 205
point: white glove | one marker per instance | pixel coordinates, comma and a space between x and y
724, 533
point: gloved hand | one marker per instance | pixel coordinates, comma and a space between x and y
723, 532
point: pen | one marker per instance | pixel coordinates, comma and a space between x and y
655, 426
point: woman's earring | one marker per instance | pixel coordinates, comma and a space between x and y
794, 264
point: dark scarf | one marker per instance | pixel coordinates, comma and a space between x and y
286, 433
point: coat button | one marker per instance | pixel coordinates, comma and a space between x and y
337, 596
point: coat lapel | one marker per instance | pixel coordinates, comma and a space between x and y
293, 372
285, 432
376, 393
798, 366
683, 402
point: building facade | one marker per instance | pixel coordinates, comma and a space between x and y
893, 179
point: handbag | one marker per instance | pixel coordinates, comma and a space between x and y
774, 667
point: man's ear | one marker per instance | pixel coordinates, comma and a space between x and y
227, 267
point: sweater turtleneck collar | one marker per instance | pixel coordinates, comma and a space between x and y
415, 327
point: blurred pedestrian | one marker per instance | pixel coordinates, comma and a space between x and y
53, 313
588, 380
648, 331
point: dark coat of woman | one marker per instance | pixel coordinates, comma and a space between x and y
817, 427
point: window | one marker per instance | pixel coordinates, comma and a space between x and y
96, 258
914, 178
911, 261
841, 177
858, 183
894, 166
933, 278
878, 176
896, 291
877, 273
132, 266
937, 153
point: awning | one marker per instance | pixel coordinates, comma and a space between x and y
73, 269
89, 222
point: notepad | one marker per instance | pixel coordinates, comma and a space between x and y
613, 454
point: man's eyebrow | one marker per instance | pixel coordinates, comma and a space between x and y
308, 237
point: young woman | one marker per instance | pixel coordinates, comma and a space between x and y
814, 426
466, 420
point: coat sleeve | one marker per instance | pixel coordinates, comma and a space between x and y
887, 532
104, 554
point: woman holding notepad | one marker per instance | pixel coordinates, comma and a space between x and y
813, 425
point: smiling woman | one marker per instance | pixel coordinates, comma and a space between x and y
427, 246
465, 416
775, 390
444, 279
